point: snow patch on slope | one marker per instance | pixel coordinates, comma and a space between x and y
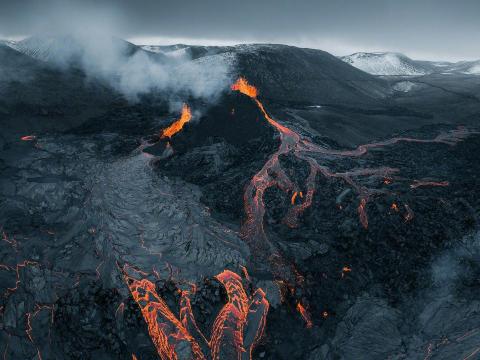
45, 48
474, 69
385, 64
404, 86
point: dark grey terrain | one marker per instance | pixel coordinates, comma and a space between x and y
93, 190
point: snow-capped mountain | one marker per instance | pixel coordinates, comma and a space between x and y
164, 49
387, 63
474, 69
43, 48
70, 49
464, 67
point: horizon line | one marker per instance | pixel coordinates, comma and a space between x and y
339, 51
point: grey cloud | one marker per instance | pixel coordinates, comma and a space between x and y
420, 28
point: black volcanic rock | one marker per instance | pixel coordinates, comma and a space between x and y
292, 75
289, 75
228, 136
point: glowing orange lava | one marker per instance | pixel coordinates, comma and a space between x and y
28, 138
294, 196
346, 269
305, 315
166, 331
317, 157
244, 87
236, 330
179, 124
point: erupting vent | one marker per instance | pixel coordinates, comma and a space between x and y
179, 124
245, 88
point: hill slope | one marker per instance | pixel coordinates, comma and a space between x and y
290, 74
387, 64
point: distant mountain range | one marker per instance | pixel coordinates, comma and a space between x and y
375, 63
396, 64
285, 73
68, 49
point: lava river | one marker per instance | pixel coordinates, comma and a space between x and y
273, 175
236, 330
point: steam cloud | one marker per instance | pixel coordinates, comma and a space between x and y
134, 72
81, 36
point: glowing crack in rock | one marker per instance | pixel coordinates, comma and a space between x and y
236, 330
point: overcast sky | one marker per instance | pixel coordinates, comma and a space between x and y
423, 29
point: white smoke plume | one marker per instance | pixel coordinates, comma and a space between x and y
82, 37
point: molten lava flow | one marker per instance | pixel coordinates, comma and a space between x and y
305, 315
273, 175
236, 330
166, 331
179, 124
245, 88
241, 321
28, 138
294, 196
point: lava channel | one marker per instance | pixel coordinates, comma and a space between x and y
236, 330
272, 174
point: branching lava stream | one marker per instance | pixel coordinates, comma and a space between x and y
236, 330
272, 174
